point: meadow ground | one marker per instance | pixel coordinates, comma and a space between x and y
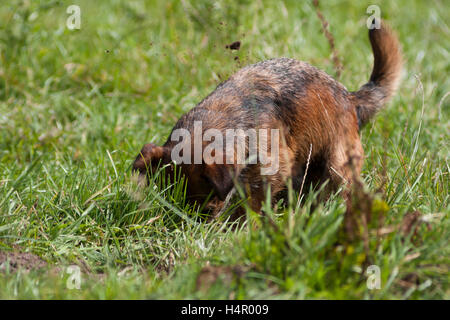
77, 105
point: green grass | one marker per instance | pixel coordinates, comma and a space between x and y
76, 107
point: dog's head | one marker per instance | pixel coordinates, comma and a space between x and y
202, 179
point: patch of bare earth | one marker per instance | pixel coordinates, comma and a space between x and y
15, 260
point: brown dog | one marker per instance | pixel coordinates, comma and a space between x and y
317, 119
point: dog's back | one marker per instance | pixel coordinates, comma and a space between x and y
306, 101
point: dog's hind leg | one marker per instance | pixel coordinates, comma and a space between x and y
344, 166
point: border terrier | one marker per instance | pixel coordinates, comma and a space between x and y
317, 118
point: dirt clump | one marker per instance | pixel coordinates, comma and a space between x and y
234, 46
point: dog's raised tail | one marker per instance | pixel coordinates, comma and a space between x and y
385, 77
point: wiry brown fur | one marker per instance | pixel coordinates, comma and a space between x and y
310, 109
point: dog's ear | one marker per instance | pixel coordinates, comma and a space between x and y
150, 156
220, 177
